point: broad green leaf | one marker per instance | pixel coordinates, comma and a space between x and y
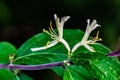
41, 40
58, 53
99, 64
83, 53
22, 76
6, 75
106, 69
37, 58
77, 73
44, 58
6, 49
97, 47
59, 71
54, 54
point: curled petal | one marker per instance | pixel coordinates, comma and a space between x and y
56, 18
94, 22
44, 47
64, 19
92, 26
95, 26
60, 24
89, 29
88, 22
116, 53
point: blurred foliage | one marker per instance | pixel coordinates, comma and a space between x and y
5, 13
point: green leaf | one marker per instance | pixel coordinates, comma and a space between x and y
59, 71
6, 49
6, 75
22, 76
97, 47
41, 40
106, 69
98, 63
77, 73
37, 58
93, 62
54, 54
44, 58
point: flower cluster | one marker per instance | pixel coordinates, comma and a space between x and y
59, 37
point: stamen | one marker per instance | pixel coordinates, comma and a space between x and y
46, 31
51, 24
97, 38
47, 44
52, 28
51, 32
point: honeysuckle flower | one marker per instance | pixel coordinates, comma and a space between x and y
56, 37
84, 42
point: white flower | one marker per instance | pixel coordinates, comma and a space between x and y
56, 37
84, 42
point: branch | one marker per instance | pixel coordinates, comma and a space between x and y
33, 67
116, 53
3, 66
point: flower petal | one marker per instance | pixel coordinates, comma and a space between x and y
65, 44
64, 19
76, 46
60, 24
89, 48
44, 47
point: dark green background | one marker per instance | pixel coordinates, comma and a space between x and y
21, 19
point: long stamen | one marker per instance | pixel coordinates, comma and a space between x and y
46, 31
52, 28
47, 44
49, 33
53, 37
